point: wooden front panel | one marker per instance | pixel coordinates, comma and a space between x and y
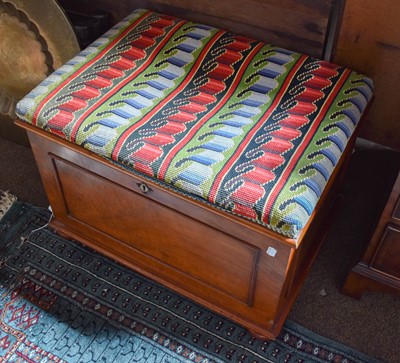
144, 228
296, 25
219, 260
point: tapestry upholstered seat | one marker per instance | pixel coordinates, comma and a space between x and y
253, 129
205, 160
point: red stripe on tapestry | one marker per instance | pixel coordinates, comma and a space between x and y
260, 123
126, 80
166, 100
310, 134
228, 94
87, 65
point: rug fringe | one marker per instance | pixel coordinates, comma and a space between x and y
6, 201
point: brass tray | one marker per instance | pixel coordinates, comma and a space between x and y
36, 38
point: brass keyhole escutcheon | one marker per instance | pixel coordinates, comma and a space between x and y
144, 188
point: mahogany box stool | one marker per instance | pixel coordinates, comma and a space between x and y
205, 160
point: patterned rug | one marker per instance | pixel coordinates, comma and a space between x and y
62, 302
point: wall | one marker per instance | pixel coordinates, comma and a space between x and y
369, 42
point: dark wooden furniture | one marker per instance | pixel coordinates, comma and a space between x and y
240, 269
309, 27
379, 268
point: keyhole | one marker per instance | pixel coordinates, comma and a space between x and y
144, 188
